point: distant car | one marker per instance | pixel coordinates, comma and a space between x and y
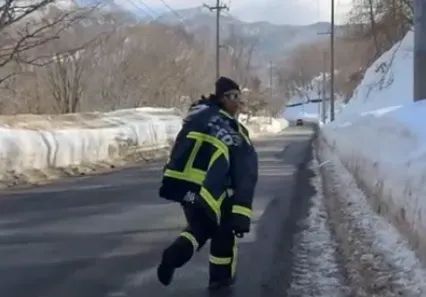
299, 122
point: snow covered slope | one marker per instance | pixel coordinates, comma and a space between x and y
380, 136
41, 142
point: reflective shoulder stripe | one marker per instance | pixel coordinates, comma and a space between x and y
212, 140
241, 130
191, 238
215, 156
241, 210
226, 114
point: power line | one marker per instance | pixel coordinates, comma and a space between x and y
148, 8
173, 11
140, 9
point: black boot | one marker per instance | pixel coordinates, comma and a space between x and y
165, 273
221, 284
175, 256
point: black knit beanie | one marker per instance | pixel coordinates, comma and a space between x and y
225, 84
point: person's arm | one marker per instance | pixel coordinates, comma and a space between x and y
244, 175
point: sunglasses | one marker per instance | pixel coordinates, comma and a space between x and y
233, 95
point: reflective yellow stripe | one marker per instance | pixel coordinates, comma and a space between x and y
226, 114
240, 129
212, 140
216, 155
192, 175
198, 176
220, 261
234, 258
191, 238
212, 203
190, 161
241, 210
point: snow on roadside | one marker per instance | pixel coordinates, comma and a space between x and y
34, 146
23, 149
380, 137
315, 268
378, 259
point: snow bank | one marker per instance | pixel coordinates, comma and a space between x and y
377, 259
380, 136
38, 142
100, 138
311, 273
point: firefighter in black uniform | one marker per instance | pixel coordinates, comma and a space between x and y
212, 171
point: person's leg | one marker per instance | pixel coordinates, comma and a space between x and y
223, 257
191, 239
223, 253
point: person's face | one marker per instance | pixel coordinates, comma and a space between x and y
232, 102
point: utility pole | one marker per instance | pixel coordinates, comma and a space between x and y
419, 50
332, 63
324, 89
271, 76
219, 7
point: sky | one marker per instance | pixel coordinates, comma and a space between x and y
297, 12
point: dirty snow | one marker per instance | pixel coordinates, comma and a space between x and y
316, 271
380, 136
38, 142
377, 259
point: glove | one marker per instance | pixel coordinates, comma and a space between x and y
238, 234
240, 225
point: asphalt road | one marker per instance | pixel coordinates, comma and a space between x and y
102, 235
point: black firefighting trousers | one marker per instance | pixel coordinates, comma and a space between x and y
200, 228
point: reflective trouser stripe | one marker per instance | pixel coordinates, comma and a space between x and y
234, 258
220, 261
228, 260
191, 238
241, 210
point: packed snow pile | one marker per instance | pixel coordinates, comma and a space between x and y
377, 259
40, 142
380, 136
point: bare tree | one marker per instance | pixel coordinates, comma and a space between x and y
240, 49
106, 61
26, 26
75, 55
382, 22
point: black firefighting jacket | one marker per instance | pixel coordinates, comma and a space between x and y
212, 159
